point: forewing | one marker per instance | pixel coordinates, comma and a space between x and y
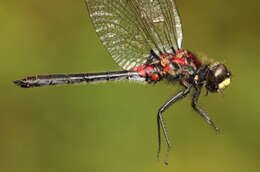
119, 32
173, 20
129, 29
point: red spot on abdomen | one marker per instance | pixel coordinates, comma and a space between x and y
147, 71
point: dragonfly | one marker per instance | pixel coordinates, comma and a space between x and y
144, 37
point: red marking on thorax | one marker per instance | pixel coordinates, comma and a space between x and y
182, 56
166, 62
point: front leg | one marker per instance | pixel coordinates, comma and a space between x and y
160, 121
203, 114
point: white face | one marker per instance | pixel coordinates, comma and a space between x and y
224, 84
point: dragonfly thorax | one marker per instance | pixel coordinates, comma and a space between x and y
181, 65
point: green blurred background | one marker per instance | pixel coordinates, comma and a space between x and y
112, 127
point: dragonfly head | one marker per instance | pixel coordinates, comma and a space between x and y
218, 77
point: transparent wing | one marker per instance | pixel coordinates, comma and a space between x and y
161, 20
119, 32
130, 29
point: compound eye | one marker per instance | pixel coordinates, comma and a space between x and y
218, 78
220, 73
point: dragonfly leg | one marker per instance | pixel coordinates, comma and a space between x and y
203, 114
160, 120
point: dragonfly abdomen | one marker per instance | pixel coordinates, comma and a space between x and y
57, 79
